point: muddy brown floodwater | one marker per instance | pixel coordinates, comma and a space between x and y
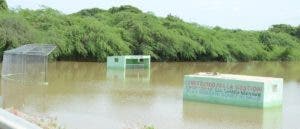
85, 95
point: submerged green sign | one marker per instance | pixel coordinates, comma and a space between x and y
234, 90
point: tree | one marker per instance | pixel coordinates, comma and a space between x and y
90, 12
94, 34
127, 8
3, 5
266, 39
283, 28
297, 32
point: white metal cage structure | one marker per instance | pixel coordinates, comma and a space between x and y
27, 63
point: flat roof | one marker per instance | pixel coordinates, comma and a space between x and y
32, 49
233, 77
132, 56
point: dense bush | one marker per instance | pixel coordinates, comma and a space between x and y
14, 31
94, 34
3, 5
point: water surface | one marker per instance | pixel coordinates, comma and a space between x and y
86, 95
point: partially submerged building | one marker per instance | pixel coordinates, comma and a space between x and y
27, 63
129, 61
240, 90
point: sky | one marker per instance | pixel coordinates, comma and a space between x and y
232, 14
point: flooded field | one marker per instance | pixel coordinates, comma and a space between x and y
87, 95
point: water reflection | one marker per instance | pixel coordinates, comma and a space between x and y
129, 76
129, 88
224, 116
20, 94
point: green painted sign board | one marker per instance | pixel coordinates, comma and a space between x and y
248, 91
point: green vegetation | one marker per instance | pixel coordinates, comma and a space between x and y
94, 34
3, 5
148, 127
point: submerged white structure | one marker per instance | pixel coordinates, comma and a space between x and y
240, 90
129, 61
27, 63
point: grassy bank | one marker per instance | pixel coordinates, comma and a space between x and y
94, 34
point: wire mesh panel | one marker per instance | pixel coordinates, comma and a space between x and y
27, 63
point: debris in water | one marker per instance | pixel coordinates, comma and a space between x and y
44, 122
